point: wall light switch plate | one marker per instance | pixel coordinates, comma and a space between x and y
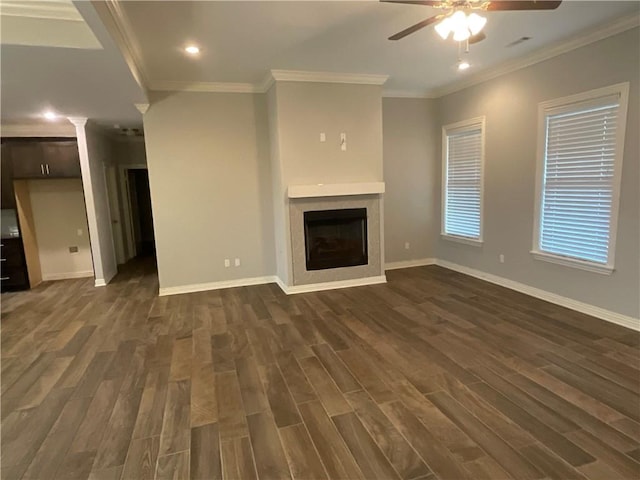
79, 232
323, 137
407, 245
237, 262
343, 142
227, 262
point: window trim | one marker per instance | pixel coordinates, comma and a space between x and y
551, 107
464, 125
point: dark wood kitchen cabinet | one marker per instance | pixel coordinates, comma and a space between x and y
6, 177
26, 159
44, 159
62, 159
13, 267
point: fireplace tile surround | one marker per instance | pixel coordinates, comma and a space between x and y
372, 270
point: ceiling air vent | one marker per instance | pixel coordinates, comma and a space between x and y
518, 41
131, 132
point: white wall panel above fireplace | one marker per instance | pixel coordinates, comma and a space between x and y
334, 189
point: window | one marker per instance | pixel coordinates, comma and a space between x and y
578, 181
463, 163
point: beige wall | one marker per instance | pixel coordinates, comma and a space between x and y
129, 151
58, 214
307, 109
510, 104
298, 113
411, 173
208, 160
282, 238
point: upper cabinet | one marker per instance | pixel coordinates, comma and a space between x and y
6, 177
61, 159
44, 159
26, 158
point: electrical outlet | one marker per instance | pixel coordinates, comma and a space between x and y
227, 263
237, 262
407, 246
73, 249
79, 232
323, 137
501, 258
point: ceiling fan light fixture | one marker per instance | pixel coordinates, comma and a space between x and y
458, 21
461, 34
476, 23
443, 28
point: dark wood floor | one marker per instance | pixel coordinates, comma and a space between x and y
432, 376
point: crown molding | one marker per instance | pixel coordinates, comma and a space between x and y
328, 77
585, 38
406, 94
117, 24
46, 10
212, 87
267, 83
141, 107
38, 130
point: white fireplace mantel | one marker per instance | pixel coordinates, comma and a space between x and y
335, 189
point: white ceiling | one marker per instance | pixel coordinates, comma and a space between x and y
51, 23
241, 41
46, 64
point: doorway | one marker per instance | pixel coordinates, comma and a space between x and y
141, 215
138, 215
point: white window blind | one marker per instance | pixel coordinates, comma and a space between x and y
463, 195
578, 180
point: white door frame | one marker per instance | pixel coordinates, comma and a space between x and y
127, 222
111, 176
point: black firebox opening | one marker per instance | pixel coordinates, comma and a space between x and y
335, 238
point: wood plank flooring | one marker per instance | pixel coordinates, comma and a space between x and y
434, 375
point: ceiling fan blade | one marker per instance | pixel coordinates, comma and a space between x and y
478, 37
523, 5
415, 28
427, 3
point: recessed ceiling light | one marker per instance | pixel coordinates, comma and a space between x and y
463, 65
49, 115
192, 50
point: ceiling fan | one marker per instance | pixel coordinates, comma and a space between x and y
466, 27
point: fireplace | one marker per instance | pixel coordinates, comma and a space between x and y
335, 238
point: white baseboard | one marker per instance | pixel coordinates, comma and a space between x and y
603, 314
202, 287
66, 276
317, 287
102, 282
420, 262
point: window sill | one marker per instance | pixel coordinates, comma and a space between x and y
467, 241
574, 263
